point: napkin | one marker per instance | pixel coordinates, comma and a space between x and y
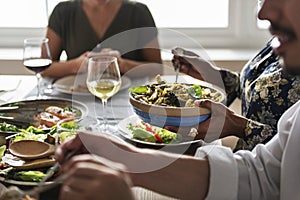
9, 83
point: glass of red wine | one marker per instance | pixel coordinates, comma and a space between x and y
37, 58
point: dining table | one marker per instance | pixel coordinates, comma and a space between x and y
14, 88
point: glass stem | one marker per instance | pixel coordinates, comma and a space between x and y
38, 77
104, 105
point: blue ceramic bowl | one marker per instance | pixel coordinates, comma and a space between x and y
173, 116
163, 120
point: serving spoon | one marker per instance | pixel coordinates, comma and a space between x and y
31, 149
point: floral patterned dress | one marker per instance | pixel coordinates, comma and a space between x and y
266, 92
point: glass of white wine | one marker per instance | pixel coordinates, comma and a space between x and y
103, 81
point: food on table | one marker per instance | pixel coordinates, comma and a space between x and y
60, 112
50, 134
5, 127
2, 150
47, 119
145, 132
53, 114
173, 94
31, 176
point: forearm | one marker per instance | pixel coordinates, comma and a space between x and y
180, 177
134, 68
61, 69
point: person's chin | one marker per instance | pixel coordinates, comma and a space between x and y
289, 57
292, 68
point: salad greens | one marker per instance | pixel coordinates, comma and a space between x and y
66, 135
138, 89
145, 132
143, 135
5, 127
196, 91
32, 176
2, 151
71, 109
71, 125
31, 133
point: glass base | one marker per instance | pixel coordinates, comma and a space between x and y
48, 90
41, 97
109, 129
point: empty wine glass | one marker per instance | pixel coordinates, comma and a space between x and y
37, 58
103, 81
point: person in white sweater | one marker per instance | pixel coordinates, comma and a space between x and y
268, 172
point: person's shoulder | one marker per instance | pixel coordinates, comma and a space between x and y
134, 5
65, 6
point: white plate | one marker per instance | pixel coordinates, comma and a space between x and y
134, 120
76, 84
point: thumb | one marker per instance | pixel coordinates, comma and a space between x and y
203, 103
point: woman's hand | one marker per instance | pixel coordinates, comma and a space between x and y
81, 63
92, 177
222, 123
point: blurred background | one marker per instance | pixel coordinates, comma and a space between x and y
227, 29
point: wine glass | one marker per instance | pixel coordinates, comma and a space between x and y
103, 81
37, 58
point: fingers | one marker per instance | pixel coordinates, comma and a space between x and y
178, 51
67, 147
184, 66
92, 177
204, 103
171, 128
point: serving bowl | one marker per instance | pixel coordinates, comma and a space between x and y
162, 115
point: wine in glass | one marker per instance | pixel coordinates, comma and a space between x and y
37, 58
103, 81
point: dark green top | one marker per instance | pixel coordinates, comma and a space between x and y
69, 21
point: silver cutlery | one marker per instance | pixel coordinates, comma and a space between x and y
177, 64
6, 117
4, 108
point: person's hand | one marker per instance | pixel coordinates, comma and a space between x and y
179, 61
80, 63
91, 177
69, 146
114, 53
222, 123
193, 65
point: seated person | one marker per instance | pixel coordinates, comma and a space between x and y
265, 90
268, 172
79, 26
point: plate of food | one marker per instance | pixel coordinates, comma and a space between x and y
138, 131
33, 120
46, 112
76, 84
